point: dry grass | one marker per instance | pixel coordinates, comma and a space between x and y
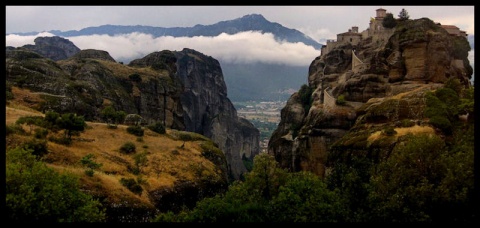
24, 99
168, 161
402, 131
125, 70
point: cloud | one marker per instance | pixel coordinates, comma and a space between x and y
18, 41
244, 47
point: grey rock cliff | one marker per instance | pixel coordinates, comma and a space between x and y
209, 112
55, 48
416, 55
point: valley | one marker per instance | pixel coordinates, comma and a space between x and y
264, 115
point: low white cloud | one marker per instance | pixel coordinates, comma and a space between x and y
244, 47
318, 35
18, 41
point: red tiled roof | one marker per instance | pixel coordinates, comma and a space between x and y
450, 26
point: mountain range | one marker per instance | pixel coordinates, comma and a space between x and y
243, 79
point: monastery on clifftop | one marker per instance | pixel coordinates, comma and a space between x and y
376, 32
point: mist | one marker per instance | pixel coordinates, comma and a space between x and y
244, 47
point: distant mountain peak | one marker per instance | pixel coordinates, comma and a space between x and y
254, 17
249, 22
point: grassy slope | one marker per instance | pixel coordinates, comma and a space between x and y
168, 160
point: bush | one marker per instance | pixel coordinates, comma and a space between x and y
442, 123
41, 133
406, 123
128, 148
62, 140
132, 185
38, 147
37, 193
389, 21
340, 100
135, 77
135, 130
14, 129
157, 127
389, 131
305, 94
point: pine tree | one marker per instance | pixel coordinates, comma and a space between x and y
403, 15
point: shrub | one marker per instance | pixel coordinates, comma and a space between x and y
389, 131
128, 148
406, 123
14, 129
157, 127
305, 94
135, 77
38, 147
41, 133
389, 21
340, 100
8, 94
89, 172
135, 130
62, 140
442, 123
132, 185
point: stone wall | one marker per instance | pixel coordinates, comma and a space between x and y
328, 100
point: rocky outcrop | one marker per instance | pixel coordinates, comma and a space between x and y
416, 55
209, 112
55, 48
94, 54
91, 80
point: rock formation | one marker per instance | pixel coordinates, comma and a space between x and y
209, 112
414, 57
182, 90
56, 48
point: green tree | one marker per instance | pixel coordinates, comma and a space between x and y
157, 127
108, 114
305, 198
424, 179
37, 193
403, 15
120, 117
71, 123
305, 94
389, 21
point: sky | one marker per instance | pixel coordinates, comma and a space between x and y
318, 22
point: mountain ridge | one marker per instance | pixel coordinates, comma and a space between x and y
249, 22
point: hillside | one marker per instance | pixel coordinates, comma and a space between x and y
156, 87
184, 162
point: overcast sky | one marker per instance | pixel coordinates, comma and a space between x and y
318, 22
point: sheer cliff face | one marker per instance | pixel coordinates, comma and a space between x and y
208, 110
414, 57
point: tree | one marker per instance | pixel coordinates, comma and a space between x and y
389, 21
37, 193
403, 15
71, 123
110, 115
305, 198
